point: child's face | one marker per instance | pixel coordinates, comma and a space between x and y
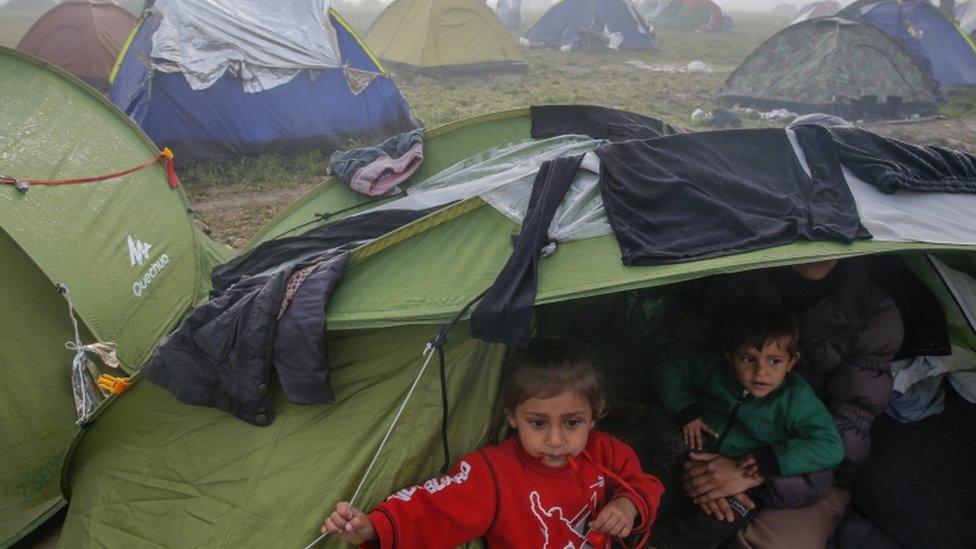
551, 429
761, 371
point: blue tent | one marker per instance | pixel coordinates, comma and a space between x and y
613, 22
316, 109
934, 41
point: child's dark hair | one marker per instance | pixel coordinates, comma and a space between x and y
757, 327
549, 366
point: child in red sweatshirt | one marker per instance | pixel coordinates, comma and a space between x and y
558, 484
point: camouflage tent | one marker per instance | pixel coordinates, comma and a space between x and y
835, 66
813, 10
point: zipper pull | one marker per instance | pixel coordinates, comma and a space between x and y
745, 395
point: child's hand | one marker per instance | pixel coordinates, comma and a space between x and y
749, 466
349, 524
692, 433
616, 518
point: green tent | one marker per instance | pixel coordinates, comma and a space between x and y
694, 15
125, 248
153, 471
443, 36
828, 65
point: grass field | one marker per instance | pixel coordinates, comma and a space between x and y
235, 199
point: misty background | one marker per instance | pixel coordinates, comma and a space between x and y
730, 5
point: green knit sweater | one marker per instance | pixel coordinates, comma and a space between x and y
789, 431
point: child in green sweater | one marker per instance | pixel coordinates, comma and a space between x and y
746, 405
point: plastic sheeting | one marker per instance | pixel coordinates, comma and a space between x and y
203, 39
503, 178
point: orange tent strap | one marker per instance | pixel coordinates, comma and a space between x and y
165, 156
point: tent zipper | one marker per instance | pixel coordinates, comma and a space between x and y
728, 426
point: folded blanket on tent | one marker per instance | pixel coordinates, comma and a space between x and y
376, 170
892, 165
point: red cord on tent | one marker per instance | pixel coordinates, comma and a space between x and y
165, 156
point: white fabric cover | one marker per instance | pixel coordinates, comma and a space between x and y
265, 43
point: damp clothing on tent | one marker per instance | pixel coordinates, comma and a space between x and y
267, 314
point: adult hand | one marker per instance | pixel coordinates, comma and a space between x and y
711, 476
722, 510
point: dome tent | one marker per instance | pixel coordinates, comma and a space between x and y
125, 248
966, 16
613, 22
350, 98
934, 41
30, 5
829, 65
694, 15
82, 37
272, 485
814, 10
443, 36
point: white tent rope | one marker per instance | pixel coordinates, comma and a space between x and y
78, 362
429, 353
76, 344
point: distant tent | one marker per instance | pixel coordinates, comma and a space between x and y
813, 10
694, 15
650, 9
784, 9
443, 36
932, 39
82, 37
614, 23
834, 66
126, 249
966, 16
30, 5
322, 108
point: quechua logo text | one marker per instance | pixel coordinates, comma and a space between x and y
138, 256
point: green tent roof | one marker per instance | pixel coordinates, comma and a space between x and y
126, 249
442, 35
153, 471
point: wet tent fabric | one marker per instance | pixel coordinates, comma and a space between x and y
316, 109
828, 65
78, 235
566, 22
816, 9
82, 37
138, 471
30, 5
443, 36
934, 41
966, 16
694, 15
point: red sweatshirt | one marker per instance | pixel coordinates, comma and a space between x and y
500, 493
